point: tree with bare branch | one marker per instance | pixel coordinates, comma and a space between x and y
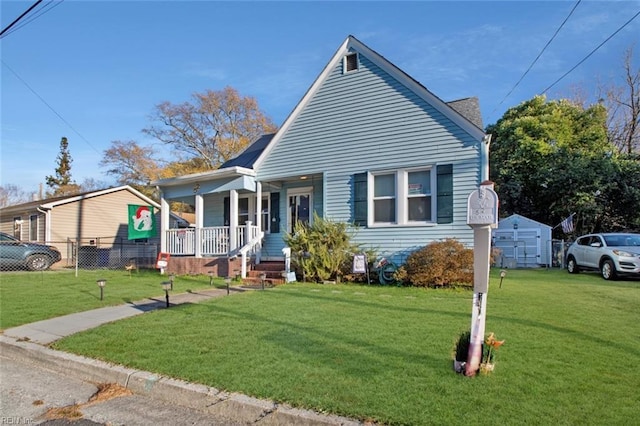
214, 126
131, 163
624, 116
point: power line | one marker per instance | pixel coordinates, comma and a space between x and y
539, 54
592, 52
43, 10
15, 21
50, 107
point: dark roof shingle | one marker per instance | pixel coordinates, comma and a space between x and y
249, 156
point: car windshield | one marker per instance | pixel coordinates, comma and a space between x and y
622, 240
6, 237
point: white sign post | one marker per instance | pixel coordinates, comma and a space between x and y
482, 215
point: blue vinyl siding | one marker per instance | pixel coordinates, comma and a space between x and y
368, 121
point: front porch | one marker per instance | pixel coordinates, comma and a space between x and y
236, 217
215, 250
209, 241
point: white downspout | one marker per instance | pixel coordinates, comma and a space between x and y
484, 158
47, 224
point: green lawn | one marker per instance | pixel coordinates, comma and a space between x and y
384, 353
27, 297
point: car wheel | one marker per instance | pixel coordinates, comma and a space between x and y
572, 266
38, 262
608, 270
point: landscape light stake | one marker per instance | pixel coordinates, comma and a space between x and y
503, 274
166, 286
101, 283
227, 281
263, 278
210, 278
171, 278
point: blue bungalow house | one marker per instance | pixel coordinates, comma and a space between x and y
367, 144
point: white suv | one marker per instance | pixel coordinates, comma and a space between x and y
612, 254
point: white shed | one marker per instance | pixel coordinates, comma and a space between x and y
524, 243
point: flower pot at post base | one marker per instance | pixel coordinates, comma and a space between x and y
486, 367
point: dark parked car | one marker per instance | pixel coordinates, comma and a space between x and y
16, 254
612, 254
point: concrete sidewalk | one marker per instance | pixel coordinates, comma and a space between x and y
27, 343
50, 330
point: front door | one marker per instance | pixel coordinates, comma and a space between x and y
299, 208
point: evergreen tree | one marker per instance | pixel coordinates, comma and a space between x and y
62, 183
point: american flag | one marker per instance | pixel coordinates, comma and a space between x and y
567, 224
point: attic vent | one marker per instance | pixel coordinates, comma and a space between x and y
351, 62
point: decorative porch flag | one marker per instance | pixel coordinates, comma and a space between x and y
142, 222
567, 224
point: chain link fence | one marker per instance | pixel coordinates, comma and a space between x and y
110, 253
559, 253
83, 253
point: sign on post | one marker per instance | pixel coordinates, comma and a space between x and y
163, 261
360, 265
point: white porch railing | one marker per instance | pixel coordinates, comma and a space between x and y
214, 240
181, 241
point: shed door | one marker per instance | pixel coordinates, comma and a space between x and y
523, 245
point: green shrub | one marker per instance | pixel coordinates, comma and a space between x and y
324, 250
439, 264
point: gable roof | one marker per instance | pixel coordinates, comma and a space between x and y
352, 44
469, 108
249, 156
49, 203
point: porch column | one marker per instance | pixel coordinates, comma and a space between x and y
259, 206
165, 209
233, 219
199, 223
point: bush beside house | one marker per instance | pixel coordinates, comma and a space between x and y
439, 264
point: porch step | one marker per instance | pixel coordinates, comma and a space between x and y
272, 270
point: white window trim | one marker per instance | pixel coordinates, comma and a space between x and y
37, 223
402, 197
17, 227
300, 191
266, 204
251, 205
371, 198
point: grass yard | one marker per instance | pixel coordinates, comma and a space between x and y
384, 353
27, 297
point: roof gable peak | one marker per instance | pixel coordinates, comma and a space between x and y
349, 45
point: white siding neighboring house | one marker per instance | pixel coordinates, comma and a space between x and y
367, 144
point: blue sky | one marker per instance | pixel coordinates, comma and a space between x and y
103, 65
